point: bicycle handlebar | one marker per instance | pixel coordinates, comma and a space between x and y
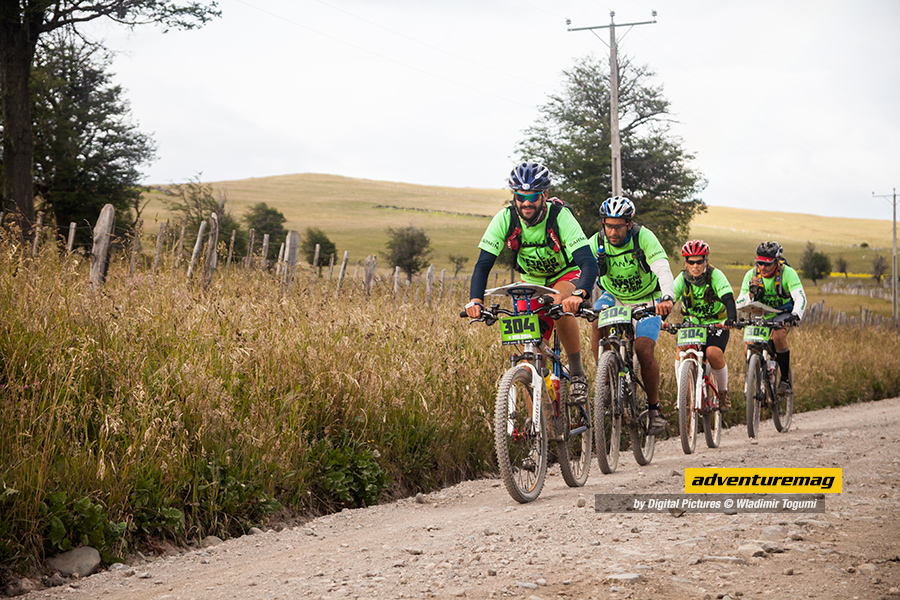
554, 311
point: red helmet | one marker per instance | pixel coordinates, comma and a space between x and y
695, 248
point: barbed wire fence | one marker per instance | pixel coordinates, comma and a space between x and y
108, 239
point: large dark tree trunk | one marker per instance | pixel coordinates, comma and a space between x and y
18, 39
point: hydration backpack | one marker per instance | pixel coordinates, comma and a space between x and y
552, 239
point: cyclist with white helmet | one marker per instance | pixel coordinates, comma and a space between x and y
774, 283
551, 250
634, 269
707, 298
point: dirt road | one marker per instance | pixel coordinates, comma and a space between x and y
473, 541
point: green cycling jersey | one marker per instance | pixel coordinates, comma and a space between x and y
624, 278
539, 263
694, 303
793, 298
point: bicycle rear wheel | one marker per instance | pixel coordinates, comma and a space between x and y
712, 421
520, 443
687, 416
754, 392
607, 418
574, 452
783, 411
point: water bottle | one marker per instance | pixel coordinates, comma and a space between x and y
771, 369
552, 389
554, 381
601, 260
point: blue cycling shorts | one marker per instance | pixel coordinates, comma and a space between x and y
648, 327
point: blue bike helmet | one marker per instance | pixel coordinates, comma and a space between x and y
530, 176
617, 207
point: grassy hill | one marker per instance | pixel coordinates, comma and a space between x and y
355, 213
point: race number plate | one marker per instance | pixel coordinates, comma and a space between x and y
520, 329
614, 315
691, 335
757, 334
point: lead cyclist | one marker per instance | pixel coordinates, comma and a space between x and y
557, 257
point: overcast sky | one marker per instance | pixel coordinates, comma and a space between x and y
787, 105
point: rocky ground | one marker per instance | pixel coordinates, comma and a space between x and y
473, 541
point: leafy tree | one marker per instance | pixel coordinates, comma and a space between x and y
458, 261
879, 267
408, 248
86, 150
266, 219
195, 201
840, 265
572, 138
314, 236
814, 264
22, 24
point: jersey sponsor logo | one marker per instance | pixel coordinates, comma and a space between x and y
540, 264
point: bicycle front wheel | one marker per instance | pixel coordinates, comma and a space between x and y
642, 442
521, 444
783, 411
687, 416
574, 452
607, 417
754, 392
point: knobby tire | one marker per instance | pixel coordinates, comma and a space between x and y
607, 418
574, 452
521, 452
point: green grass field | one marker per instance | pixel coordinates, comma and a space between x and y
354, 214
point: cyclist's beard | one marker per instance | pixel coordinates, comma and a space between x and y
538, 215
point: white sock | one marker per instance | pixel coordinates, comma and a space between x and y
721, 376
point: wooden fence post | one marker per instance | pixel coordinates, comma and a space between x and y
37, 234
230, 251
179, 248
429, 284
159, 244
70, 242
135, 245
291, 256
356, 272
197, 247
342, 272
369, 276
103, 232
443, 279
249, 263
279, 266
315, 262
265, 252
209, 265
396, 280
330, 267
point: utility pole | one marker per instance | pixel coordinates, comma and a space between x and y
615, 142
894, 259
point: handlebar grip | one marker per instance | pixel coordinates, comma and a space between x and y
463, 314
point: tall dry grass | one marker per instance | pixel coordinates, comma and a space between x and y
156, 408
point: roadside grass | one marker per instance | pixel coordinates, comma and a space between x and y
156, 409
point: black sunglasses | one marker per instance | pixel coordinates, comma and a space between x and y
699, 261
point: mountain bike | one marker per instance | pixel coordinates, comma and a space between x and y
698, 395
619, 394
529, 410
761, 381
